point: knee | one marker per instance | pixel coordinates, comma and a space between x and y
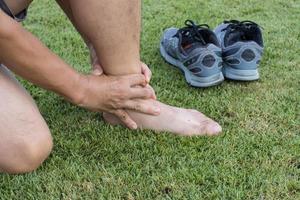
34, 153
28, 154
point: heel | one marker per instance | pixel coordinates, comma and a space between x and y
240, 75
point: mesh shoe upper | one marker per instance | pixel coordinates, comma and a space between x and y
242, 44
196, 46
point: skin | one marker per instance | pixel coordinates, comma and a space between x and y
18, 46
124, 33
16, 6
118, 73
25, 138
24, 124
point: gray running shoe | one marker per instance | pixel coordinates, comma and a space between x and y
196, 51
242, 47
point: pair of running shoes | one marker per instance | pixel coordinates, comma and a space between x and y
233, 50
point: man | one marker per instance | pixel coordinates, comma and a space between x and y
111, 29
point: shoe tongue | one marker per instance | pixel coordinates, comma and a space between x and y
188, 44
233, 37
188, 48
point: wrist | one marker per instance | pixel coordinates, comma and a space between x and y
78, 92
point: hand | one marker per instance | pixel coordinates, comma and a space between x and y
113, 94
98, 70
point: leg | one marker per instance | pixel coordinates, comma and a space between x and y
113, 27
25, 138
17, 6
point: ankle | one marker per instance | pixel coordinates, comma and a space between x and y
126, 68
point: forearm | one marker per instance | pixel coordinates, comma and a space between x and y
25, 55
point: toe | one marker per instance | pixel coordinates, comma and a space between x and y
213, 128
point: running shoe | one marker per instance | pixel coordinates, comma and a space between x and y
195, 50
242, 49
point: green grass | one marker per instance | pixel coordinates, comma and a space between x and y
257, 157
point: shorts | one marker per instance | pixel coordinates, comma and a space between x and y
19, 17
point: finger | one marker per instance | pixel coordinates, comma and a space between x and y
143, 106
136, 79
125, 118
141, 93
154, 95
97, 68
147, 72
97, 71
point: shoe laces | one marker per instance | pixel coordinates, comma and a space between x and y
242, 26
191, 32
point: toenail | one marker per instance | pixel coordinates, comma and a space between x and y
213, 129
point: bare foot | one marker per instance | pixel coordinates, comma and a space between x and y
180, 121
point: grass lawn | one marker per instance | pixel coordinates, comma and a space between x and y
257, 157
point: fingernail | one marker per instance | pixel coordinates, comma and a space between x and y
97, 72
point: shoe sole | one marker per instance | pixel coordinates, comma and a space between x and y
189, 77
240, 75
